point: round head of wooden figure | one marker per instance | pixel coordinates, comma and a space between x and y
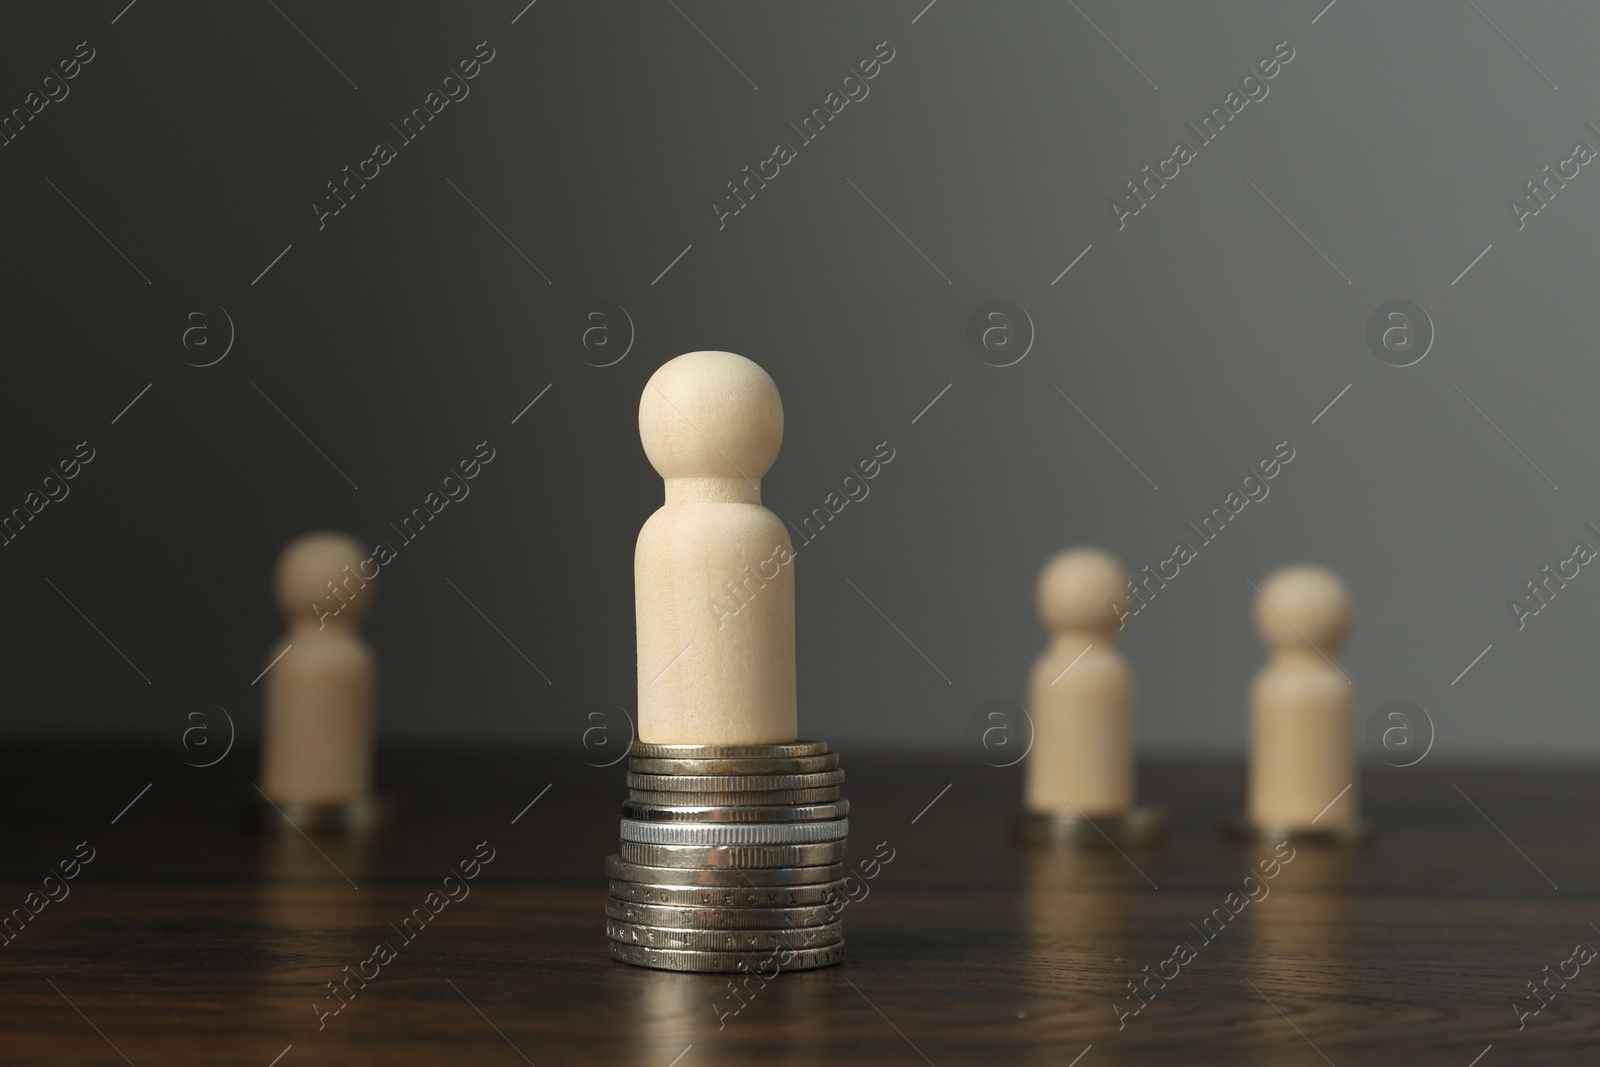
1303, 606
319, 579
1083, 589
715, 418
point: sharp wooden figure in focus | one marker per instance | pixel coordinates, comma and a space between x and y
711, 424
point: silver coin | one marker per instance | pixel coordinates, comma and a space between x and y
786, 797
828, 761
732, 783
787, 750
734, 833
759, 878
764, 813
720, 918
764, 964
733, 857
699, 896
724, 940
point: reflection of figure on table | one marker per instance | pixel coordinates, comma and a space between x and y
1078, 906
1299, 949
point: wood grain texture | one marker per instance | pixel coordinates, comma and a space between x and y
186, 942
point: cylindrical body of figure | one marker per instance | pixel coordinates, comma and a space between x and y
714, 601
1302, 721
317, 731
713, 568
1082, 758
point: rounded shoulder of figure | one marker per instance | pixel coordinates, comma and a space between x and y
734, 521
314, 652
1070, 666
1301, 682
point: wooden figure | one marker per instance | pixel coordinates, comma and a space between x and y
1080, 698
713, 569
1303, 773
317, 732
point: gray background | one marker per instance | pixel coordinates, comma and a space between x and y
409, 329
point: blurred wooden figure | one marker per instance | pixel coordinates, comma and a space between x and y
317, 731
1303, 772
1079, 773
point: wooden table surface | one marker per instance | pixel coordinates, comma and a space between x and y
185, 941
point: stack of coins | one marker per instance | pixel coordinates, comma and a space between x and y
731, 859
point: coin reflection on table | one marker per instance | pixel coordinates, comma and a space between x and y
676, 1009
